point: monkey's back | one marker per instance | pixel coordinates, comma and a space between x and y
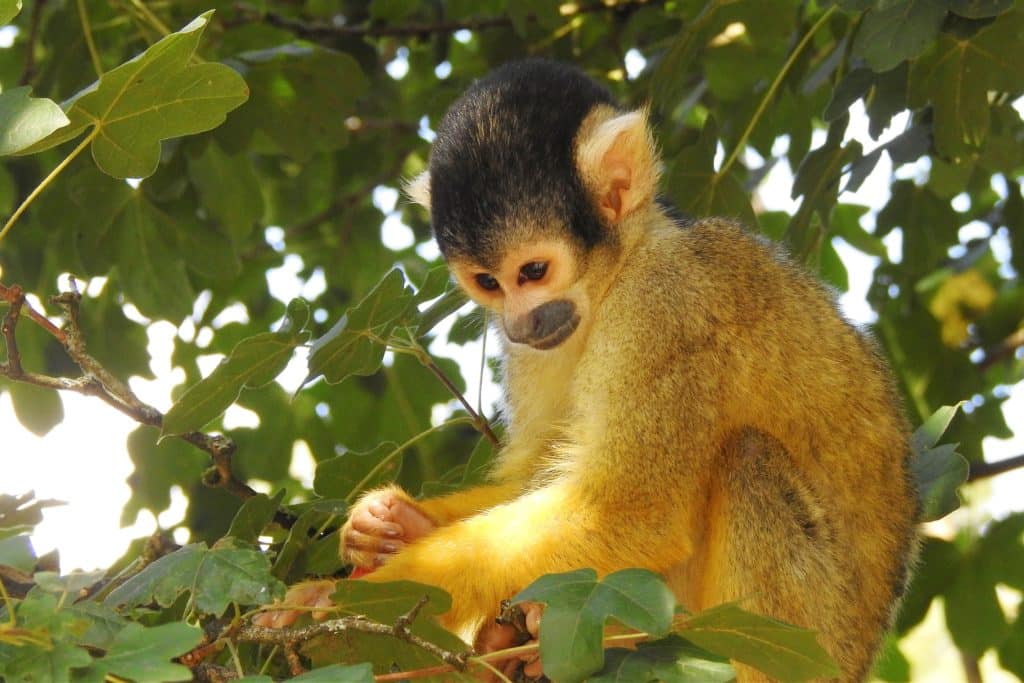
811, 462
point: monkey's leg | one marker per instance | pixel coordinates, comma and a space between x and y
772, 546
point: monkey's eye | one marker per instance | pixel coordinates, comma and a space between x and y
534, 270
487, 281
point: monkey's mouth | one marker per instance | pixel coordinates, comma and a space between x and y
555, 338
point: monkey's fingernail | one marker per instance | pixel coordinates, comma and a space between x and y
393, 531
390, 547
379, 510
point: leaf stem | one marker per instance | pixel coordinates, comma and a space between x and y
47, 180
153, 19
83, 15
411, 346
770, 93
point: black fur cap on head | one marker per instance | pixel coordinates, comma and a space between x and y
504, 157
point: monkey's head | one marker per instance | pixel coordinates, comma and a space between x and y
537, 187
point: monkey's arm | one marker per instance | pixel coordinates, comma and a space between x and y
455, 506
489, 557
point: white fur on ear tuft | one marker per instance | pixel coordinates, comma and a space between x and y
618, 161
418, 189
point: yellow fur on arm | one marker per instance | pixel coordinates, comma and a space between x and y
489, 557
451, 508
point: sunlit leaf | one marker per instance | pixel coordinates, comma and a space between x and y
158, 95
8, 10
25, 120
356, 343
253, 362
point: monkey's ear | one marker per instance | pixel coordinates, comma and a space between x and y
418, 189
619, 163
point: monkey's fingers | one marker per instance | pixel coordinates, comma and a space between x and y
414, 523
376, 520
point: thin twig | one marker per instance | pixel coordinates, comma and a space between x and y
479, 421
290, 637
90, 44
86, 141
28, 72
769, 95
97, 381
319, 30
984, 470
1005, 349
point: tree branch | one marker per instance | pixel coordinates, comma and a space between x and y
319, 30
290, 637
1005, 349
97, 381
984, 470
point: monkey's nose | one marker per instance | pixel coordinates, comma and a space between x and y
546, 326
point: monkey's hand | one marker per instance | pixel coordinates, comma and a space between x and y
297, 602
380, 524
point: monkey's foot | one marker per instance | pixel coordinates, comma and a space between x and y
297, 602
503, 635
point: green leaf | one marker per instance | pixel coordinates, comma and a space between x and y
671, 660
301, 97
214, 577
979, 9
938, 564
8, 10
929, 433
699, 190
253, 363
26, 120
228, 188
255, 514
891, 664
152, 274
142, 654
356, 343
1011, 652
938, 470
957, 76
578, 604
817, 178
22, 511
346, 475
158, 95
38, 409
17, 552
41, 614
780, 650
159, 466
290, 561
973, 614
338, 673
894, 32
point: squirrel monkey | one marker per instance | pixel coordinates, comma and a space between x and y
679, 396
